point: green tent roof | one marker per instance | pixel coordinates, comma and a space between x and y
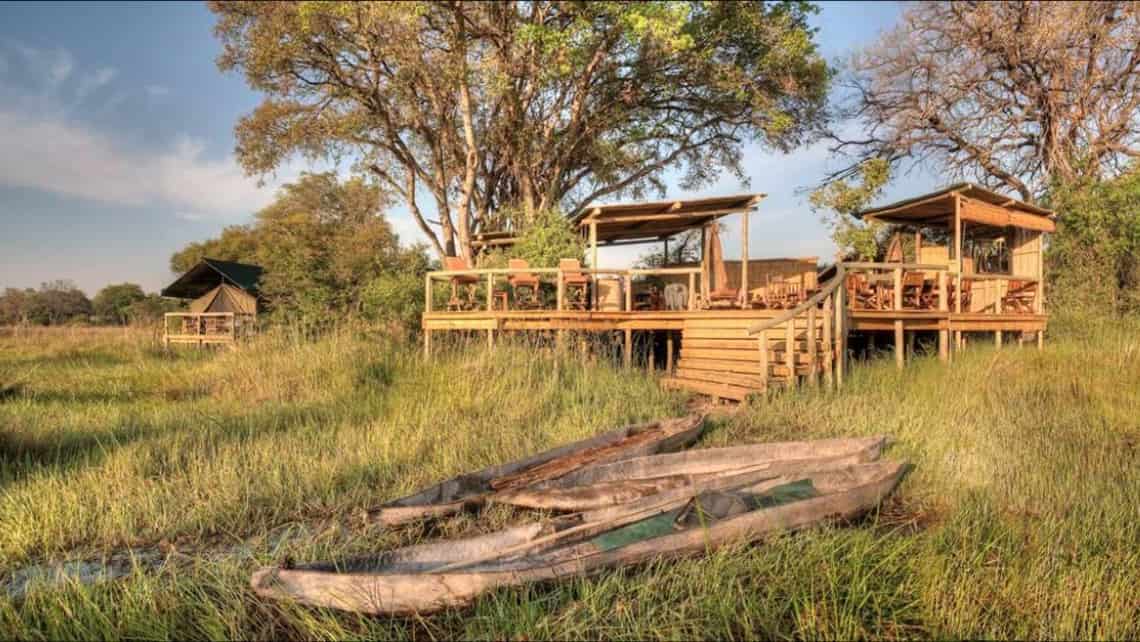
209, 274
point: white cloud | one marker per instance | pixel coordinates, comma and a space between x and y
93, 81
45, 148
50, 154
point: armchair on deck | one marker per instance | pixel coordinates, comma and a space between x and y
575, 284
469, 282
1020, 297
861, 294
525, 285
914, 294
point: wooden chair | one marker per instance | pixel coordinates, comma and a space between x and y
525, 285
1020, 297
860, 292
913, 290
575, 284
967, 289
723, 297
469, 282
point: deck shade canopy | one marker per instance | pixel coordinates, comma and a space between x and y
209, 274
977, 205
624, 223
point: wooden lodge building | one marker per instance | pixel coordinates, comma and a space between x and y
222, 308
975, 266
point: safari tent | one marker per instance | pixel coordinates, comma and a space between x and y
223, 303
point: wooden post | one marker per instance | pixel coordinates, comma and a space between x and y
629, 292
744, 259
594, 261
840, 334
692, 291
669, 352
898, 289
910, 341
918, 246
491, 292
652, 361
427, 344
998, 309
627, 356
764, 360
1039, 300
704, 261
943, 306
828, 350
560, 290
900, 349
665, 251
1040, 339
790, 351
809, 336
490, 340
427, 294
960, 263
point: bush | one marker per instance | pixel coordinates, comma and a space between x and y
1093, 260
548, 237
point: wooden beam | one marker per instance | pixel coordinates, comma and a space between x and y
744, 258
900, 349
669, 352
594, 260
997, 216
627, 355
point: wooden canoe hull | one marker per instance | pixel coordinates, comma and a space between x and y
453, 495
621, 482
400, 591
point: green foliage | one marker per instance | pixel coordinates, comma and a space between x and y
545, 104
113, 303
55, 303
547, 237
236, 243
396, 297
855, 238
1093, 260
322, 242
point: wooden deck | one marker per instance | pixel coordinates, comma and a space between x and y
734, 352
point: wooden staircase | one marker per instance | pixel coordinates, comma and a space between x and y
732, 358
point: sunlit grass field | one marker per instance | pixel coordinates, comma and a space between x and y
1021, 518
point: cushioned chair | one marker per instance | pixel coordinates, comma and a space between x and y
468, 282
525, 285
575, 284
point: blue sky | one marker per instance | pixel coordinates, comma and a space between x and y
116, 139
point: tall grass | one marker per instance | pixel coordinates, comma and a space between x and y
1019, 520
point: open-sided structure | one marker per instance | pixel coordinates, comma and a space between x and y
223, 303
964, 260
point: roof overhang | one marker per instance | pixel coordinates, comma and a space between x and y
208, 274
629, 223
978, 205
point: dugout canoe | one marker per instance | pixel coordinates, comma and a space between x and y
727, 510
620, 482
472, 489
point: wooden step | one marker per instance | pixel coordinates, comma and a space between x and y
742, 344
724, 391
739, 367
730, 378
774, 356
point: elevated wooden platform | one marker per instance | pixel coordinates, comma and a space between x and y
718, 356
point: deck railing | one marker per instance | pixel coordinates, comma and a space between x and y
202, 328
887, 279
489, 277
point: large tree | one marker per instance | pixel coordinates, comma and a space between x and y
1016, 95
478, 105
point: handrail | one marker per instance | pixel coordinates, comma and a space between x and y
824, 292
